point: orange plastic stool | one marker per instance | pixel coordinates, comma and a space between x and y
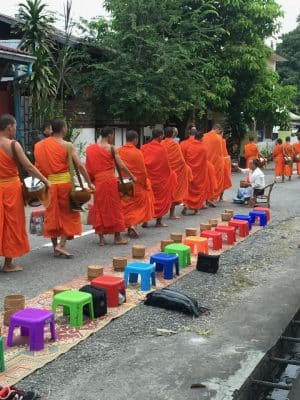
241, 226
266, 210
197, 244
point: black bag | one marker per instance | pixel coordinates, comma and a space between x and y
99, 300
206, 263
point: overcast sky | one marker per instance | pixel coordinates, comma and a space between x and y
93, 8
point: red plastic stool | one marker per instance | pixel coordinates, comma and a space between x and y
216, 237
241, 226
227, 230
266, 210
113, 285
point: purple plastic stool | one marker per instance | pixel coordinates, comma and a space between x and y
32, 322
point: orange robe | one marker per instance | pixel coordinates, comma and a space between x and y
251, 153
296, 148
227, 167
179, 166
213, 184
198, 190
163, 179
107, 212
13, 236
213, 143
141, 207
288, 168
279, 160
185, 144
51, 159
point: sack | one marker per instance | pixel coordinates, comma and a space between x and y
36, 223
207, 263
99, 300
125, 186
173, 300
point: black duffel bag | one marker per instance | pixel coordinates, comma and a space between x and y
99, 300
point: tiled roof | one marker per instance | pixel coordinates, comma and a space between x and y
12, 50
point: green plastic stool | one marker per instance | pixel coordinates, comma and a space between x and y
183, 252
2, 365
73, 302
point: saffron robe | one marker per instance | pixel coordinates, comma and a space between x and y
179, 166
296, 147
107, 211
288, 168
213, 184
51, 158
251, 153
198, 190
141, 207
163, 179
185, 144
279, 160
213, 143
13, 236
227, 167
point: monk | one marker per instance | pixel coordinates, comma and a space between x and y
289, 154
140, 208
198, 189
279, 159
179, 166
163, 179
296, 148
227, 182
13, 237
51, 157
189, 138
251, 151
107, 211
213, 143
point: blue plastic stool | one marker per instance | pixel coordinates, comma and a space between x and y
262, 215
147, 272
165, 262
244, 218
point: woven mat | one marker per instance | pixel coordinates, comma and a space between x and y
20, 362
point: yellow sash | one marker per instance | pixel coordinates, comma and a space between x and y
11, 179
63, 177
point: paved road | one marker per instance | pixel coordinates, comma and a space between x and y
252, 298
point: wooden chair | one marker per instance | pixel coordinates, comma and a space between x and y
263, 199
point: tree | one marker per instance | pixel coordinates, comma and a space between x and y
289, 70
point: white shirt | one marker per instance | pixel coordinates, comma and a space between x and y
256, 177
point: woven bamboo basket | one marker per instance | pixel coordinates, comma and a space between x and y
138, 251
226, 217
191, 232
7, 313
231, 212
205, 227
60, 289
119, 263
94, 271
213, 222
176, 237
15, 301
165, 243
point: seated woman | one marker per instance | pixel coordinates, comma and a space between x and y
253, 186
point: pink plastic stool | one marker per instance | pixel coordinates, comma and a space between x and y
216, 237
266, 210
229, 231
32, 322
113, 285
241, 226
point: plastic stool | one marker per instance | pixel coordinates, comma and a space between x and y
113, 286
197, 244
182, 251
244, 218
165, 262
261, 215
2, 364
32, 322
73, 302
266, 210
147, 272
216, 237
229, 231
241, 226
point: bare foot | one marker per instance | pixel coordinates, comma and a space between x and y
132, 233
11, 268
160, 225
121, 241
145, 225
61, 251
183, 212
102, 242
174, 217
211, 204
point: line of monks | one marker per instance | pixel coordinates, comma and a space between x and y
285, 154
195, 173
